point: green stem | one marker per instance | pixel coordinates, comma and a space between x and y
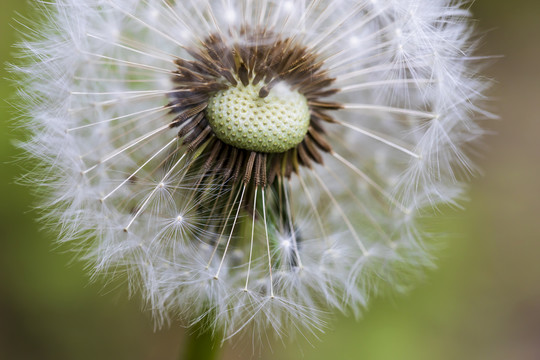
200, 345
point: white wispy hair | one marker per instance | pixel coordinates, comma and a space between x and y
96, 76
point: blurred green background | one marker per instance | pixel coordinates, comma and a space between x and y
482, 303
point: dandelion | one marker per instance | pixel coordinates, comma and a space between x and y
251, 165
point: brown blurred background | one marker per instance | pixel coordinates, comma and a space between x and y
482, 303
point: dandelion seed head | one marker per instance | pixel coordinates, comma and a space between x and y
251, 164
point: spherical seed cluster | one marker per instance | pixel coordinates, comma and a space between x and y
122, 132
273, 124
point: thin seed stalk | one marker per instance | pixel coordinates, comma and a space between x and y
201, 344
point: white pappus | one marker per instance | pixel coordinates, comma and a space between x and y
250, 164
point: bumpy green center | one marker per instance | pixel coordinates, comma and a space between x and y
273, 124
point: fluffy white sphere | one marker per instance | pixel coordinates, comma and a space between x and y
114, 92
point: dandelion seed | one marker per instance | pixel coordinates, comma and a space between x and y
252, 164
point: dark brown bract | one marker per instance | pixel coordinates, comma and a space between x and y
251, 57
